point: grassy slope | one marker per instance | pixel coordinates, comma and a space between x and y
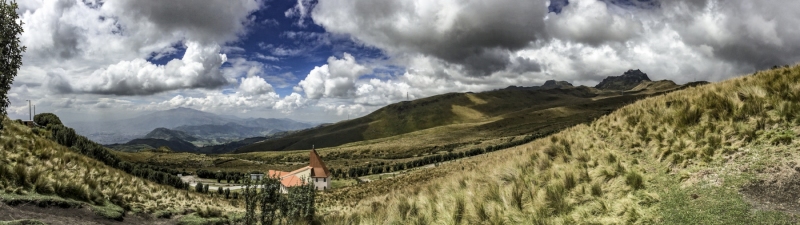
495, 107
492, 118
36, 168
674, 159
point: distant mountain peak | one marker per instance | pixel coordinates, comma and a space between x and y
183, 109
167, 134
626, 81
550, 84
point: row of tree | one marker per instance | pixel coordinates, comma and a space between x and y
67, 137
230, 177
432, 159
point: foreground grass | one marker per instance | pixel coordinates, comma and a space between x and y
675, 159
36, 169
22, 222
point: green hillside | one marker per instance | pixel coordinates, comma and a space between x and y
724, 153
38, 171
501, 113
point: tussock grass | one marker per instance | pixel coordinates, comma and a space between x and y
35, 168
633, 166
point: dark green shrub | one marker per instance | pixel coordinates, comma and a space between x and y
634, 180
597, 190
44, 119
270, 199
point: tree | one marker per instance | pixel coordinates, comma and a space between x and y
199, 187
250, 192
299, 205
43, 119
10, 50
270, 199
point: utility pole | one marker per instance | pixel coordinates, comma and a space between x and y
34, 109
30, 114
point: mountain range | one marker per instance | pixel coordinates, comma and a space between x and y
499, 113
205, 128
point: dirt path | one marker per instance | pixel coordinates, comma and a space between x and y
778, 190
70, 216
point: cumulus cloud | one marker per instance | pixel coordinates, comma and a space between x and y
482, 36
103, 48
206, 21
80, 52
443, 45
255, 86
478, 35
335, 79
350, 110
199, 68
290, 103
759, 34
593, 23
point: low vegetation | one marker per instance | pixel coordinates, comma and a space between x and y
34, 168
683, 157
67, 137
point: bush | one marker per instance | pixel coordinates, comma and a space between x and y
597, 190
634, 180
44, 119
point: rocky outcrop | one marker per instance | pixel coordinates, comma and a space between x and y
627, 81
552, 84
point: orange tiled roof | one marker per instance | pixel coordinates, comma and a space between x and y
318, 168
291, 181
277, 173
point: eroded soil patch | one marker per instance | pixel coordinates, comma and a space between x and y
57, 215
779, 190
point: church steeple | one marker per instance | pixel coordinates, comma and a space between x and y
318, 168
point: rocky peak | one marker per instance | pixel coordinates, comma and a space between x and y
551, 84
626, 81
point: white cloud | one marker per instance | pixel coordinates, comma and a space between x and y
335, 79
75, 58
255, 86
300, 10
266, 57
290, 103
199, 68
79, 52
591, 22
478, 35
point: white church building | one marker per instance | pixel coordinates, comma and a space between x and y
316, 171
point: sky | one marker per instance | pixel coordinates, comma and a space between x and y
329, 60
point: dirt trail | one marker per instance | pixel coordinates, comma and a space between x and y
70, 216
778, 190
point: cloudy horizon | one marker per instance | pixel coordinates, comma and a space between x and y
325, 61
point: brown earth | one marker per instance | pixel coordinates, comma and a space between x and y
67, 215
779, 190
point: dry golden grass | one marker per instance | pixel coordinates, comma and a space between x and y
626, 167
32, 164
